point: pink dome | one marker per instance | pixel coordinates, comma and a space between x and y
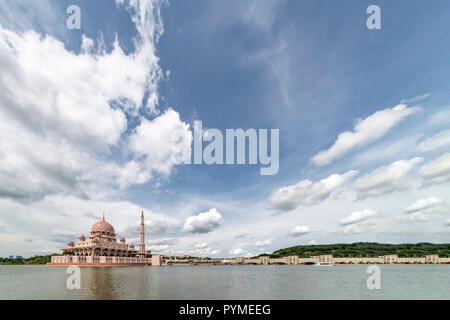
102, 226
70, 244
131, 245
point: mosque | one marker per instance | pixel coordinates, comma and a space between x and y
102, 249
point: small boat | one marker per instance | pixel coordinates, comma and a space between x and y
325, 264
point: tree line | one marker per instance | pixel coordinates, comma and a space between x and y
24, 261
366, 249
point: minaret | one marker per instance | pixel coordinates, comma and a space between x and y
142, 244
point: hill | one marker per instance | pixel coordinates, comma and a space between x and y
25, 261
366, 249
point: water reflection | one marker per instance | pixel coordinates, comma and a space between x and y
226, 282
109, 283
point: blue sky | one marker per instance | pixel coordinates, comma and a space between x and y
88, 130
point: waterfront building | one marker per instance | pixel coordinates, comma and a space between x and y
315, 260
102, 248
432, 259
102, 242
329, 259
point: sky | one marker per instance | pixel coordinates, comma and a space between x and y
87, 119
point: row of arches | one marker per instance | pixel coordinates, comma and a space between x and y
103, 252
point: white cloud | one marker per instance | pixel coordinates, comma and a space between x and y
365, 131
158, 248
237, 252
424, 209
439, 141
358, 222
64, 111
358, 228
437, 171
153, 142
306, 192
299, 231
447, 223
204, 222
62, 235
423, 204
242, 235
416, 99
206, 252
420, 216
165, 246
165, 241
153, 227
387, 179
265, 243
260, 13
313, 243
439, 118
201, 245
359, 216
387, 151
214, 252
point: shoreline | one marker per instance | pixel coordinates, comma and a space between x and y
231, 265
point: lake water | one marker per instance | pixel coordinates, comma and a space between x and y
227, 282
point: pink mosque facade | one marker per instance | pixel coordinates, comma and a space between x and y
103, 249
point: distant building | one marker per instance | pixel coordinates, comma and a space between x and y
329, 259
19, 257
11, 257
